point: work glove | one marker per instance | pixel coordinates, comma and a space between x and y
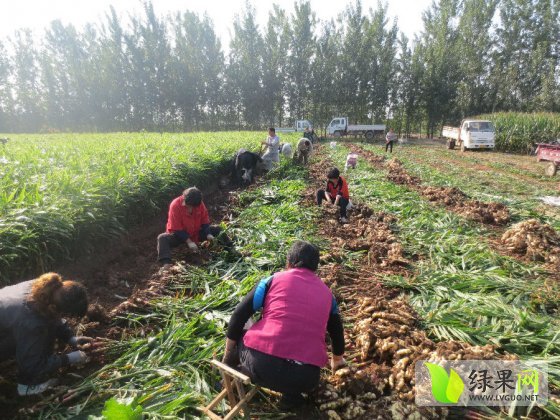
79, 340
210, 237
192, 246
231, 356
77, 358
337, 362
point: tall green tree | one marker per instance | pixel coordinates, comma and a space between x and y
6, 100
527, 50
407, 87
441, 57
196, 71
300, 60
147, 69
114, 85
325, 75
28, 101
353, 66
381, 52
275, 51
246, 67
475, 44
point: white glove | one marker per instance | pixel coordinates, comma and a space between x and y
77, 358
210, 237
79, 340
192, 246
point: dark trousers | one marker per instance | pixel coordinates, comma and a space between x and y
342, 202
7, 346
389, 145
301, 157
287, 377
167, 241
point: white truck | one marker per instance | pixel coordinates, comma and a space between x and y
473, 134
339, 127
300, 125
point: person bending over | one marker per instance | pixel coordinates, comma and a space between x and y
285, 350
31, 323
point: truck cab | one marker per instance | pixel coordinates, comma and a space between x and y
337, 126
301, 125
477, 134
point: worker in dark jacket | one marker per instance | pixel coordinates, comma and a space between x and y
30, 324
336, 193
188, 222
286, 348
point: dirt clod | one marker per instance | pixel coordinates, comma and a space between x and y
97, 313
534, 240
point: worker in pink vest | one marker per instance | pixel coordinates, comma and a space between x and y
286, 348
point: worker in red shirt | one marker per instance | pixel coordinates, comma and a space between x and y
188, 222
336, 193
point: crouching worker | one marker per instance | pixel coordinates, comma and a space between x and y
304, 149
188, 222
31, 323
285, 350
336, 193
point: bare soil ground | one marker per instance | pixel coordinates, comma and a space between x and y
452, 198
385, 339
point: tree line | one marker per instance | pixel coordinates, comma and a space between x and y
171, 73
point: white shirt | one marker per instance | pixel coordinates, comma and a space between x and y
273, 143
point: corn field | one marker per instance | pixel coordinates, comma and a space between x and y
518, 132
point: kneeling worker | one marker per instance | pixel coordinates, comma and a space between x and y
30, 324
336, 193
286, 348
188, 222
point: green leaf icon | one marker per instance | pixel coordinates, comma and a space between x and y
446, 388
115, 410
455, 387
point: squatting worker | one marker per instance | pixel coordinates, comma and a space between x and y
389, 140
272, 154
188, 222
30, 324
336, 193
286, 349
304, 149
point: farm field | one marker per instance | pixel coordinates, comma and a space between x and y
61, 195
455, 288
515, 180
